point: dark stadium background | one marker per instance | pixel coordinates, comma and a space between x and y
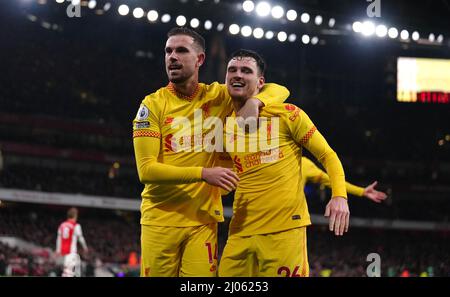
70, 87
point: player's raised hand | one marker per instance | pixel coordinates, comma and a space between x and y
221, 177
339, 214
374, 195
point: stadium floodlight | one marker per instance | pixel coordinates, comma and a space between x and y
92, 4
277, 12
75, 2
194, 23
291, 15
269, 35
123, 9
60, 1
404, 34
263, 9
314, 40
440, 38
368, 28
431, 37
305, 17
282, 36
318, 20
305, 39
357, 27
393, 32
152, 15
292, 37
246, 31
248, 6
331, 22
234, 29
181, 20
381, 31
415, 36
208, 25
258, 33
220, 26
138, 12
166, 18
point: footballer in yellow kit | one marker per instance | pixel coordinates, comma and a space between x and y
175, 197
267, 234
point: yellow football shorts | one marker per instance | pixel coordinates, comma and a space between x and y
282, 254
179, 251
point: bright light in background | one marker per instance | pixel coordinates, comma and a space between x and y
318, 20
431, 37
194, 23
305, 17
258, 33
166, 18
208, 25
92, 4
220, 26
305, 39
138, 12
393, 32
277, 12
246, 31
152, 15
440, 38
368, 28
292, 37
107, 6
123, 9
248, 6
314, 40
415, 36
291, 15
404, 34
357, 27
263, 9
269, 35
381, 31
59, 1
75, 2
331, 22
181, 20
234, 29
282, 36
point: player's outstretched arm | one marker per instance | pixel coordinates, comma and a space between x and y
374, 195
316, 175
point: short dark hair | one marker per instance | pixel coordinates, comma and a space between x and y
198, 39
252, 54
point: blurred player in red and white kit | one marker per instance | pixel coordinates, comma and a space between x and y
69, 233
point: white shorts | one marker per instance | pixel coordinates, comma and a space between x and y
72, 265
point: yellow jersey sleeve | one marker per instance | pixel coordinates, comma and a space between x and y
306, 135
316, 175
147, 145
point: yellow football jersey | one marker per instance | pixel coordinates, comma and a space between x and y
312, 173
270, 197
170, 157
